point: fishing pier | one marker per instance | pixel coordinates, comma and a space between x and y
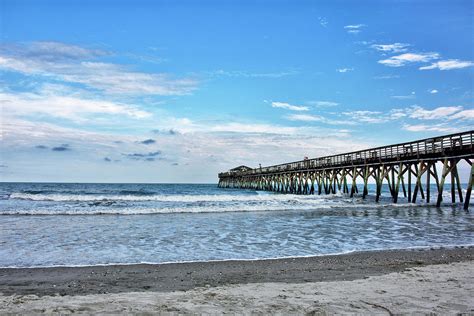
408, 167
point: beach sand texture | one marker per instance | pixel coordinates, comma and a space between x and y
445, 288
441, 289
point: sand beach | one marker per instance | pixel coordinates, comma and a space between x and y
379, 282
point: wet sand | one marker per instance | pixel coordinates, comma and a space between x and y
442, 289
187, 276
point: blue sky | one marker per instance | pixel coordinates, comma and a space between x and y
176, 91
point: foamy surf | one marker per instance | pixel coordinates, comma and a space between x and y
87, 224
135, 211
162, 198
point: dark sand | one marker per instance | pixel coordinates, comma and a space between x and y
186, 276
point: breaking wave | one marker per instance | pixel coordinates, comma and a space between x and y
164, 198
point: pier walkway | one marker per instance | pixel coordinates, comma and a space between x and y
410, 166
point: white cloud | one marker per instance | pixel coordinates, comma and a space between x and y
243, 145
305, 118
185, 125
376, 117
412, 95
442, 112
284, 105
448, 64
67, 107
403, 59
344, 70
318, 118
117, 79
391, 48
355, 28
430, 128
322, 103
463, 115
433, 91
366, 116
396, 114
77, 65
408, 58
51, 51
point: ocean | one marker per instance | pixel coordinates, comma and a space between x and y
57, 224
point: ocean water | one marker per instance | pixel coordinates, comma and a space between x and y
49, 224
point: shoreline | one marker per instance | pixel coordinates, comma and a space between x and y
414, 248
186, 276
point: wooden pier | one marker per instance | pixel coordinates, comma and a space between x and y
410, 167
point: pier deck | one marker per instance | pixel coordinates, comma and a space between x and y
405, 163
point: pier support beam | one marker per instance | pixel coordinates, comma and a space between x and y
469, 186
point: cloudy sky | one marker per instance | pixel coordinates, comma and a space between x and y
173, 91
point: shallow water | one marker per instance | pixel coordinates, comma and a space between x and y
88, 224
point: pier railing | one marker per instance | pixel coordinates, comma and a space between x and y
448, 145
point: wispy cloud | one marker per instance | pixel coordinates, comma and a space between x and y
225, 143
284, 105
323, 21
412, 95
64, 106
51, 51
448, 65
366, 116
443, 112
384, 77
344, 70
146, 58
395, 114
229, 143
252, 128
248, 74
305, 118
433, 91
322, 103
408, 58
391, 48
78, 65
317, 118
430, 128
375, 117
354, 28
463, 115
415, 112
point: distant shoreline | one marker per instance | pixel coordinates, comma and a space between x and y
186, 276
